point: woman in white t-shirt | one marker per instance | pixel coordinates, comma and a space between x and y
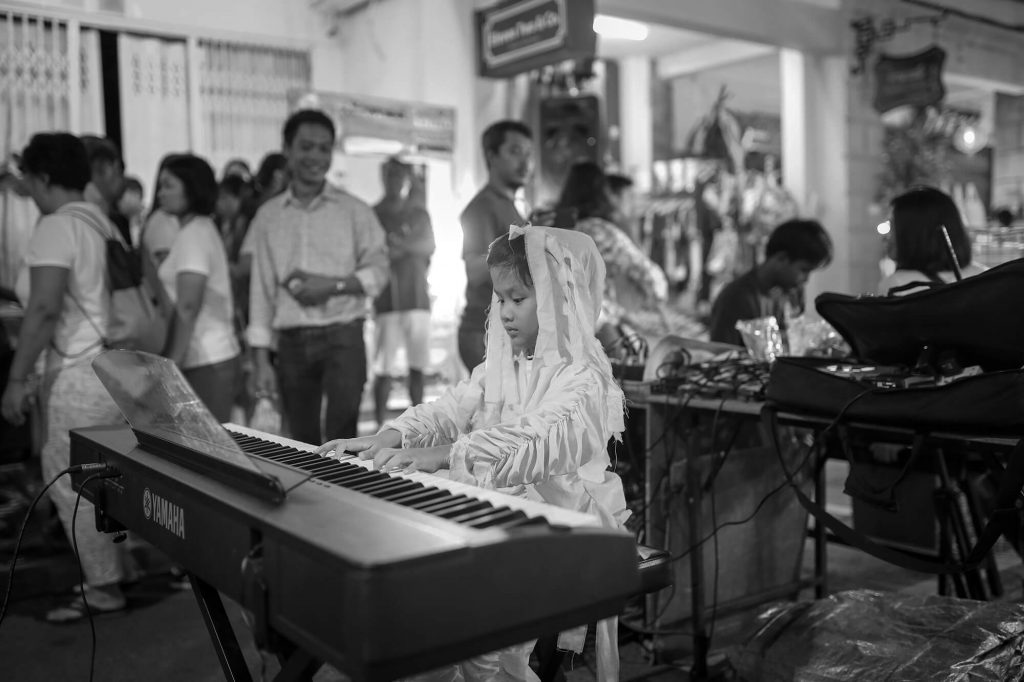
62, 285
195, 275
918, 246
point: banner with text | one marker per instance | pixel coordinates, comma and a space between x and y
522, 35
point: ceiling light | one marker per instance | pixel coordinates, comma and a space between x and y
622, 29
969, 139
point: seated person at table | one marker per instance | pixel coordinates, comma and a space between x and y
918, 246
533, 419
794, 250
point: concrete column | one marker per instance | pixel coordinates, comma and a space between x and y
814, 156
1008, 158
637, 120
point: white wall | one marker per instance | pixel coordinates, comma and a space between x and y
424, 52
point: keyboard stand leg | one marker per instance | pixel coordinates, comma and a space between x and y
222, 635
297, 666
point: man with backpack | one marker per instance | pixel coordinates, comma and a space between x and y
139, 310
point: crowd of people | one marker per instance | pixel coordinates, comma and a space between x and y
266, 280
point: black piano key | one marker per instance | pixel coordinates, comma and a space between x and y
395, 485
260, 448
333, 468
445, 500
473, 515
299, 459
342, 471
529, 521
276, 450
373, 483
460, 509
321, 465
498, 517
414, 497
408, 487
342, 478
243, 440
277, 456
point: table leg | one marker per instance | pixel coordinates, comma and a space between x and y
694, 504
820, 539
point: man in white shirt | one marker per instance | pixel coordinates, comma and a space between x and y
319, 255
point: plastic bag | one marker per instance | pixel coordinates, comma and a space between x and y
814, 336
762, 338
864, 635
266, 417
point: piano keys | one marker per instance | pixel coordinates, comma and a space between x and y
381, 575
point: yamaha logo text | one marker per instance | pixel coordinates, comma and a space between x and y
163, 513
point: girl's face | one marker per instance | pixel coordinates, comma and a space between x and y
518, 309
170, 194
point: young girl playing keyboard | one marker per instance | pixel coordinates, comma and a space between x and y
534, 418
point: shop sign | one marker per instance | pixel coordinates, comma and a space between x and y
386, 126
915, 80
523, 35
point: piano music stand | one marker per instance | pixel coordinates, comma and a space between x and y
169, 419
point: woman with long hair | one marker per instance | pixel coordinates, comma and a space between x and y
635, 288
918, 244
195, 275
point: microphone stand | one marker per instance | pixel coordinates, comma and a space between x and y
952, 254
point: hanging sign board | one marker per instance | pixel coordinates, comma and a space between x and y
375, 125
915, 80
522, 35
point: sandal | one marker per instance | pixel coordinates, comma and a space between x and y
74, 611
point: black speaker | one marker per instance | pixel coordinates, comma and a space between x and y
569, 132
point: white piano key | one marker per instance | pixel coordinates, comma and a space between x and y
553, 514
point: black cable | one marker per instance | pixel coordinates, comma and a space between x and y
788, 477
99, 471
81, 574
21, 536
676, 411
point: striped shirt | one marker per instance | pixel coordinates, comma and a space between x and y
336, 235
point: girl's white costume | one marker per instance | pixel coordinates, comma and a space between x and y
539, 427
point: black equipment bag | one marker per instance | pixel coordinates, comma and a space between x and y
978, 317
895, 340
991, 403
976, 321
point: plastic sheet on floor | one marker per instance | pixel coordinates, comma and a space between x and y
864, 635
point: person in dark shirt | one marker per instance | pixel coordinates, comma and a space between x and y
508, 149
403, 307
107, 183
794, 250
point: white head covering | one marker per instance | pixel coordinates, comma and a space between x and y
568, 278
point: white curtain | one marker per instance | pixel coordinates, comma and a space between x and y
154, 102
92, 117
243, 98
33, 98
34, 95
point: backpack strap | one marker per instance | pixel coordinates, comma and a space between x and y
90, 220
